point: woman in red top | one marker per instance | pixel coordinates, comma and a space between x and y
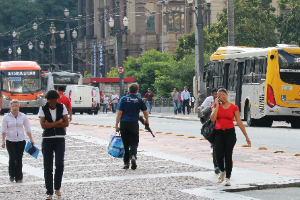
225, 137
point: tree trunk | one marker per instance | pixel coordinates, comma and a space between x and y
230, 18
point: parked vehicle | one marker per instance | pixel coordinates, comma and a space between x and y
81, 97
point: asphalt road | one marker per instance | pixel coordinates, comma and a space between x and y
277, 138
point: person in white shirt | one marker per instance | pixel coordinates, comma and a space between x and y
114, 99
13, 134
53, 119
105, 103
185, 96
209, 99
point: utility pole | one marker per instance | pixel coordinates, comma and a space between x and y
119, 47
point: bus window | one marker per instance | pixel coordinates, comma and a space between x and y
289, 64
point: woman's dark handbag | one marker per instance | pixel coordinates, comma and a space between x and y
31, 150
207, 130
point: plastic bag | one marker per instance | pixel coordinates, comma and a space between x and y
27, 148
116, 146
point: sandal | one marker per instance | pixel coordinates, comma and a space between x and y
49, 197
58, 196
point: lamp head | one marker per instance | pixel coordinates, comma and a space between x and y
9, 51
125, 21
14, 34
111, 22
41, 44
19, 51
62, 34
74, 34
30, 45
52, 28
34, 26
66, 12
190, 2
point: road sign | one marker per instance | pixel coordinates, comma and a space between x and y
121, 70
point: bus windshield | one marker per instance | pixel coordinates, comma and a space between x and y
65, 80
21, 81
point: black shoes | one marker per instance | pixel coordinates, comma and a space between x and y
133, 163
126, 166
11, 179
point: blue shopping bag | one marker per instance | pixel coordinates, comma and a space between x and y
28, 146
116, 146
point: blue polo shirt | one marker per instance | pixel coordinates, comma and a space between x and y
131, 106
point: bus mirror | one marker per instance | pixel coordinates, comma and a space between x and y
272, 57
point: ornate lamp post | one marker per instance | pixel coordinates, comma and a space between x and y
116, 30
34, 26
42, 50
30, 46
162, 4
66, 13
199, 47
74, 35
9, 53
53, 45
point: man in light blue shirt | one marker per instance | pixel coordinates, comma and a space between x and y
185, 96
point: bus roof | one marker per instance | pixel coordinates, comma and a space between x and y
19, 65
232, 52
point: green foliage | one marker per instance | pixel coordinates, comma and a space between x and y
185, 45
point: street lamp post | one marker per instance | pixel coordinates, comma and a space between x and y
42, 50
74, 35
53, 45
66, 13
162, 3
208, 4
14, 34
116, 30
199, 48
19, 51
9, 53
34, 26
30, 46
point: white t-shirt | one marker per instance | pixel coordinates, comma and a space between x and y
112, 98
53, 112
207, 101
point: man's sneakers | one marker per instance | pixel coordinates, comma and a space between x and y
217, 170
126, 166
133, 163
227, 182
221, 177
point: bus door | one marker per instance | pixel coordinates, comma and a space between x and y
239, 83
226, 65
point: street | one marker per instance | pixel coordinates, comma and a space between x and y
169, 166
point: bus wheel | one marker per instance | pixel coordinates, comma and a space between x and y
250, 121
295, 124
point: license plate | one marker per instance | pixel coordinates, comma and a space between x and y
297, 112
77, 102
287, 87
297, 100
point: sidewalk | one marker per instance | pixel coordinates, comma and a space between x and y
169, 167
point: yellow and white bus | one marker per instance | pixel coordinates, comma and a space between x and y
263, 82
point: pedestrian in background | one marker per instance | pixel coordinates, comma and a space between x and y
223, 113
53, 119
180, 101
128, 116
64, 100
185, 96
175, 96
149, 97
114, 99
105, 103
198, 98
192, 102
13, 124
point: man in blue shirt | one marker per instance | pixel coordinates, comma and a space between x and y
128, 116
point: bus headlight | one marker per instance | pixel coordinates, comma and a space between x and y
40, 96
5, 97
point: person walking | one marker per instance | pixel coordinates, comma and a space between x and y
205, 110
192, 102
149, 97
13, 124
53, 119
223, 113
180, 101
175, 96
114, 99
105, 103
64, 100
128, 116
185, 96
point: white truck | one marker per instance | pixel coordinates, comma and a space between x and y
83, 98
